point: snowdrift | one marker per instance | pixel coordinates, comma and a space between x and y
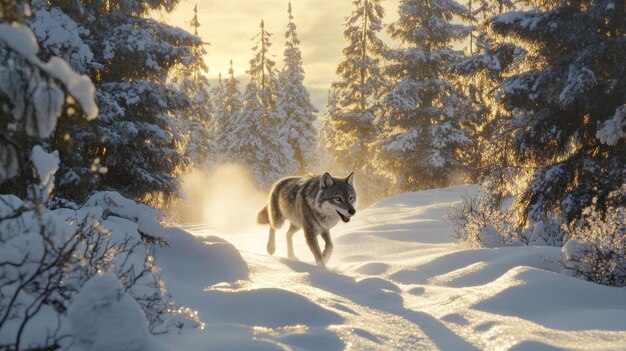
397, 281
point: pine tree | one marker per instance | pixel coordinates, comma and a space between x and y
294, 107
135, 136
358, 90
259, 143
558, 97
422, 118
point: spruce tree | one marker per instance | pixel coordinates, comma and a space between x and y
217, 94
259, 138
227, 116
294, 107
35, 97
195, 119
421, 122
358, 90
255, 142
134, 145
263, 71
488, 56
558, 98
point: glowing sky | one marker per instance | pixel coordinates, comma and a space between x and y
229, 25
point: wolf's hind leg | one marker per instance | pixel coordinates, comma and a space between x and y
328, 246
290, 232
271, 242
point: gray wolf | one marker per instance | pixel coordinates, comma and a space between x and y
313, 203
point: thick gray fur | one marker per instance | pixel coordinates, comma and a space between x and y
313, 203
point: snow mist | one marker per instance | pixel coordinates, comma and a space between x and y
226, 198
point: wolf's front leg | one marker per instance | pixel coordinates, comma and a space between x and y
328, 246
311, 240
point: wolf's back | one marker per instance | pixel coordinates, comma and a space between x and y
283, 191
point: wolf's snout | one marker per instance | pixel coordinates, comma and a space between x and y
352, 211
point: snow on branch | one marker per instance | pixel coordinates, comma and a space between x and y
613, 129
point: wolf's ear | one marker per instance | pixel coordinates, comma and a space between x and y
327, 181
350, 179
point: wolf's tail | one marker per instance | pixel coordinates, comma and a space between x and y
262, 217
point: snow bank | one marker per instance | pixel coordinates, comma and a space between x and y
557, 301
144, 216
266, 307
103, 317
398, 281
189, 266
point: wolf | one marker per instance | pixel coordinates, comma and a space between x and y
313, 203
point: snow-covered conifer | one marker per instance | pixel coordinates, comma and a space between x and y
227, 116
35, 97
558, 97
259, 140
358, 89
327, 132
217, 94
487, 58
421, 121
136, 136
263, 71
255, 143
194, 119
295, 110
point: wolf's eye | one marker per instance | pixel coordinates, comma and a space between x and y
352, 199
338, 199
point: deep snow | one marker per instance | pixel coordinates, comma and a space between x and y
397, 281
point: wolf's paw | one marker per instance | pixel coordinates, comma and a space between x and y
292, 257
271, 248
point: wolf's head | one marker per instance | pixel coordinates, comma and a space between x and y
336, 196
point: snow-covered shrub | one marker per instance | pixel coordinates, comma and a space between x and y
483, 220
597, 248
546, 232
47, 255
480, 221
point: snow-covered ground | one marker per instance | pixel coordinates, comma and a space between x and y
397, 281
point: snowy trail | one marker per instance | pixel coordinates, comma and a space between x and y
396, 282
